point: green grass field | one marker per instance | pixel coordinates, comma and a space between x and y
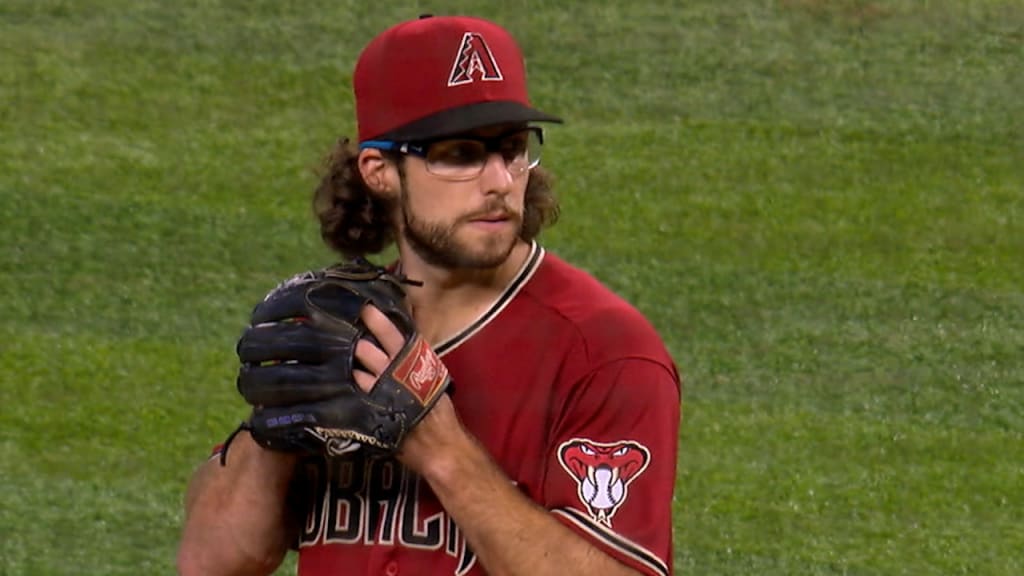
820, 204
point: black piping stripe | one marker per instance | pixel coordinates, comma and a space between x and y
525, 273
629, 548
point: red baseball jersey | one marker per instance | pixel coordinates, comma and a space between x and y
574, 395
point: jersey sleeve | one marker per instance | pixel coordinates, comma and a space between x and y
611, 468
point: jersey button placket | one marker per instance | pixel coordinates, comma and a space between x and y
391, 568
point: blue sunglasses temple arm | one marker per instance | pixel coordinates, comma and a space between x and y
380, 145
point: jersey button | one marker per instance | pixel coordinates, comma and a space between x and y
391, 569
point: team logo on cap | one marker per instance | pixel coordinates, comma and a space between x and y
603, 472
474, 60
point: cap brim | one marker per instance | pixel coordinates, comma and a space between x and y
465, 119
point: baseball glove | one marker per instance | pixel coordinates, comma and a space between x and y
297, 359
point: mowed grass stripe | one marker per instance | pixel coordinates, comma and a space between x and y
115, 520
79, 397
830, 202
729, 327
895, 479
934, 500
100, 435
792, 210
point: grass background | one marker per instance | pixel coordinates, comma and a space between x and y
818, 203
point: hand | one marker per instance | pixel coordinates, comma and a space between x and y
374, 359
298, 365
438, 426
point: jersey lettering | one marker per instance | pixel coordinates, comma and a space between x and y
425, 533
361, 501
385, 490
345, 505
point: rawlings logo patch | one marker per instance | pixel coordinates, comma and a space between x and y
421, 372
603, 472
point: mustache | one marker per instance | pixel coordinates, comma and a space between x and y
494, 207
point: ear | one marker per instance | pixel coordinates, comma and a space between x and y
379, 174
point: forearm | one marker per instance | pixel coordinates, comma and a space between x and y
236, 515
509, 533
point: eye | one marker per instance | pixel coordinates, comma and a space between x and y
457, 152
586, 450
514, 146
621, 451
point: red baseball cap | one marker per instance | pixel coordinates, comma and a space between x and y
438, 76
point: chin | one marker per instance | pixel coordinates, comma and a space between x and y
489, 252
487, 258
467, 247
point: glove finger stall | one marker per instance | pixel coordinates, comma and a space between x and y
288, 384
340, 299
337, 300
285, 301
297, 341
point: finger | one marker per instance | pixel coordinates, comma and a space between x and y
364, 380
372, 358
383, 329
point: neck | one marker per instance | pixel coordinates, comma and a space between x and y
450, 299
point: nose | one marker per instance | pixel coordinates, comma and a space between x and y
496, 177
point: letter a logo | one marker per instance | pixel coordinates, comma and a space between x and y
473, 60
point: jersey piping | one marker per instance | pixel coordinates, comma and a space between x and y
526, 271
627, 547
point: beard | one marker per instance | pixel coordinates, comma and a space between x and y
438, 244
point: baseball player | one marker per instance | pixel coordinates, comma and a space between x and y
538, 412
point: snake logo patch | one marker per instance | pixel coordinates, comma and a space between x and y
603, 472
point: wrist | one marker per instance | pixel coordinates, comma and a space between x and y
440, 469
245, 452
448, 467
439, 449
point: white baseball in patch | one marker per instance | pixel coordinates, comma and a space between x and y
605, 497
588, 490
617, 491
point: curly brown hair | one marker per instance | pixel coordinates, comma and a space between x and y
356, 222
